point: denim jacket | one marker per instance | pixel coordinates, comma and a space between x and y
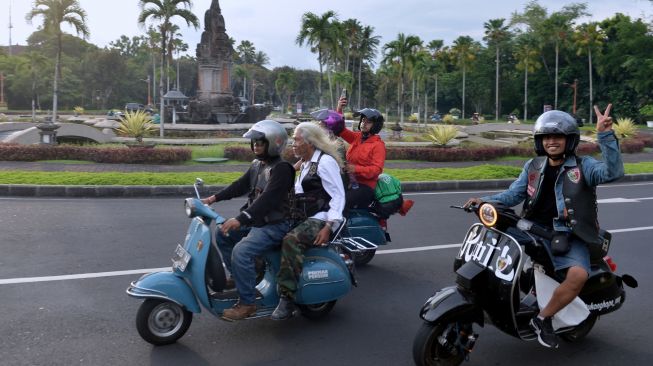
594, 172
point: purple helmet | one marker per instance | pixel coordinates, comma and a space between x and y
332, 120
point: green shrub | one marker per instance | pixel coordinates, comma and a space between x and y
646, 110
455, 111
625, 128
135, 124
442, 135
413, 118
448, 119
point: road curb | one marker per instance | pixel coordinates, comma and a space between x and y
25, 190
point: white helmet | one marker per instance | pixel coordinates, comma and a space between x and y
271, 132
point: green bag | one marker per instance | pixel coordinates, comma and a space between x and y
388, 188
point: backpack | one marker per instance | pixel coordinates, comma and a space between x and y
387, 195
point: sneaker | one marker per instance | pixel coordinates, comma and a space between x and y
239, 312
285, 310
544, 330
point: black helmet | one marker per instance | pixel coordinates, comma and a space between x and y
556, 123
373, 115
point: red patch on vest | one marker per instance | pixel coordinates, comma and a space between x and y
532, 177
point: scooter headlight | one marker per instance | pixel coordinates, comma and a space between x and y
189, 206
488, 214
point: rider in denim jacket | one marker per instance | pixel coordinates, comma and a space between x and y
559, 191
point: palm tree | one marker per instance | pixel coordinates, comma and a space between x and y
436, 52
527, 54
32, 63
163, 11
54, 13
316, 32
554, 28
463, 52
495, 34
588, 37
366, 52
398, 52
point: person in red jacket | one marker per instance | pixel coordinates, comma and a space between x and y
365, 156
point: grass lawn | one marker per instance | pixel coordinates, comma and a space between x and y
480, 172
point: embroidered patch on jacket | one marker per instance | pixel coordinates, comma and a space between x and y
531, 184
573, 175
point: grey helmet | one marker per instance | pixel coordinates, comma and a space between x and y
556, 123
271, 132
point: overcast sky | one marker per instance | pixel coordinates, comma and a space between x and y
272, 25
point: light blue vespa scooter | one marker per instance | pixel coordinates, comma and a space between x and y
198, 277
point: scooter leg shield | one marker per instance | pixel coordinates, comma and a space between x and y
448, 303
165, 285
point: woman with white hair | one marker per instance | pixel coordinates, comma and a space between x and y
319, 202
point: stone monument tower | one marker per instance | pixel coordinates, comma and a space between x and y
215, 102
214, 55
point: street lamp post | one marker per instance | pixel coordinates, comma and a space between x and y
149, 91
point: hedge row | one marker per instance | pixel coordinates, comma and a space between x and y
443, 154
117, 155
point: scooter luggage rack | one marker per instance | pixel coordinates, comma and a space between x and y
356, 244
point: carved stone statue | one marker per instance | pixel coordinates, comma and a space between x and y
215, 102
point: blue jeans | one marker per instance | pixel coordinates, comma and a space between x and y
240, 249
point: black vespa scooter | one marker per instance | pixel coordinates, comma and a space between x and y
496, 282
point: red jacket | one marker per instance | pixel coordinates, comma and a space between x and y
368, 156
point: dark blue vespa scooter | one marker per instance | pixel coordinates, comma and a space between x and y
198, 277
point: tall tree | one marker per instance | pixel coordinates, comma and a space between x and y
54, 13
526, 54
285, 85
435, 46
32, 63
367, 47
463, 53
496, 33
399, 52
317, 32
589, 37
163, 11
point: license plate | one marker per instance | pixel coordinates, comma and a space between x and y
180, 258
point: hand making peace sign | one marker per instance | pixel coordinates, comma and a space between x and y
603, 120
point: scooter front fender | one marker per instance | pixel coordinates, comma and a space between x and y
167, 286
451, 302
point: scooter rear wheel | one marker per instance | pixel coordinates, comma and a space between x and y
430, 345
162, 322
316, 311
364, 258
580, 331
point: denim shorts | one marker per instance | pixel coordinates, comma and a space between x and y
578, 254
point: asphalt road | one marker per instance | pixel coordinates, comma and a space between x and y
87, 319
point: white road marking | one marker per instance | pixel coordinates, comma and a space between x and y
10, 281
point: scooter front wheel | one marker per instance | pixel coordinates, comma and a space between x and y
434, 345
162, 322
316, 311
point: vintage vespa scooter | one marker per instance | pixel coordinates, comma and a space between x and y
198, 277
498, 281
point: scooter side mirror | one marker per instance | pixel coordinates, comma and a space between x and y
198, 183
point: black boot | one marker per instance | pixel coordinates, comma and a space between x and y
285, 310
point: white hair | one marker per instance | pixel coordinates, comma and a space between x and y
318, 137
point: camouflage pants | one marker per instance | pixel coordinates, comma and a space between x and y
294, 244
